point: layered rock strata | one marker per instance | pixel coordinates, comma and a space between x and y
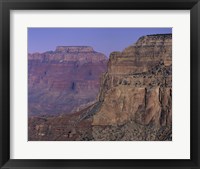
138, 84
65, 80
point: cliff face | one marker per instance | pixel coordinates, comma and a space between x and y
138, 84
65, 80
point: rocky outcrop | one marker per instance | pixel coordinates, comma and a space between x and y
138, 84
65, 80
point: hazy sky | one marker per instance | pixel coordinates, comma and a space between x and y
105, 40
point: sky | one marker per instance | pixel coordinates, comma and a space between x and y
104, 40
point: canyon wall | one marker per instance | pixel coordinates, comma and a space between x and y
138, 84
136, 93
65, 80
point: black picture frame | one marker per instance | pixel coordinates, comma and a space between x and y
7, 5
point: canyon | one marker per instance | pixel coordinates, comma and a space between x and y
134, 100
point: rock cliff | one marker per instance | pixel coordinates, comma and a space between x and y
136, 92
65, 80
138, 84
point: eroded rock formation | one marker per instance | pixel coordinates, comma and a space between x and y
65, 80
138, 84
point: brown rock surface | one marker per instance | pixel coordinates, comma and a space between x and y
137, 85
119, 105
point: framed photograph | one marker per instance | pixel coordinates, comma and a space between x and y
99, 84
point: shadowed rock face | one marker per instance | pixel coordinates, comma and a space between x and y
65, 80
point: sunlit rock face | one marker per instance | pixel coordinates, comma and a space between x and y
65, 80
138, 84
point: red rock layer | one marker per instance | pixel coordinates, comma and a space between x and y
65, 80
